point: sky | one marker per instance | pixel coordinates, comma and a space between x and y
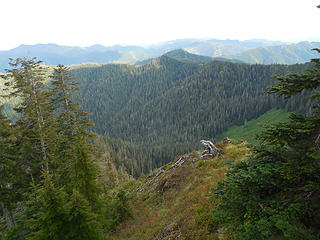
144, 22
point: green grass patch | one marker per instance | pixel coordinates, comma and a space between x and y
252, 128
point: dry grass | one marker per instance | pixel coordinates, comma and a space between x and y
177, 203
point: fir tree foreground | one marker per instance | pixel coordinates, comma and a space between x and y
276, 193
49, 170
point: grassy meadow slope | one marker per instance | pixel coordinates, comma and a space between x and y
252, 128
173, 203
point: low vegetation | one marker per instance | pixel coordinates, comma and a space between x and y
251, 129
174, 203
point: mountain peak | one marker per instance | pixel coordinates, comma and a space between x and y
184, 55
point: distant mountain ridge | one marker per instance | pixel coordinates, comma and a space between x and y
53, 54
283, 54
218, 48
183, 55
249, 51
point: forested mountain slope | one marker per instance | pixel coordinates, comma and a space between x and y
168, 105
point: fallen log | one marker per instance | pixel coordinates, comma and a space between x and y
210, 149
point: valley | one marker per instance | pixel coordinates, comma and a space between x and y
96, 145
167, 106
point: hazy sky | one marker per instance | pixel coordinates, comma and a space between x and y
142, 22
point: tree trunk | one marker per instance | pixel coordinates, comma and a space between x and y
210, 149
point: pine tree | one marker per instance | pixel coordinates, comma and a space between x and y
85, 224
80, 168
35, 125
10, 171
276, 193
51, 219
60, 215
34, 134
52, 142
62, 198
71, 118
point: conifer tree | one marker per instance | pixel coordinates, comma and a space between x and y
52, 138
81, 169
84, 223
78, 170
10, 172
61, 215
35, 125
276, 193
52, 149
51, 218
34, 138
72, 119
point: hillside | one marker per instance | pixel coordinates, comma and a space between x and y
152, 113
167, 105
172, 202
252, 128
283, 54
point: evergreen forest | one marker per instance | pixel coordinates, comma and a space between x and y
156, 111
111, 151
52, 185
